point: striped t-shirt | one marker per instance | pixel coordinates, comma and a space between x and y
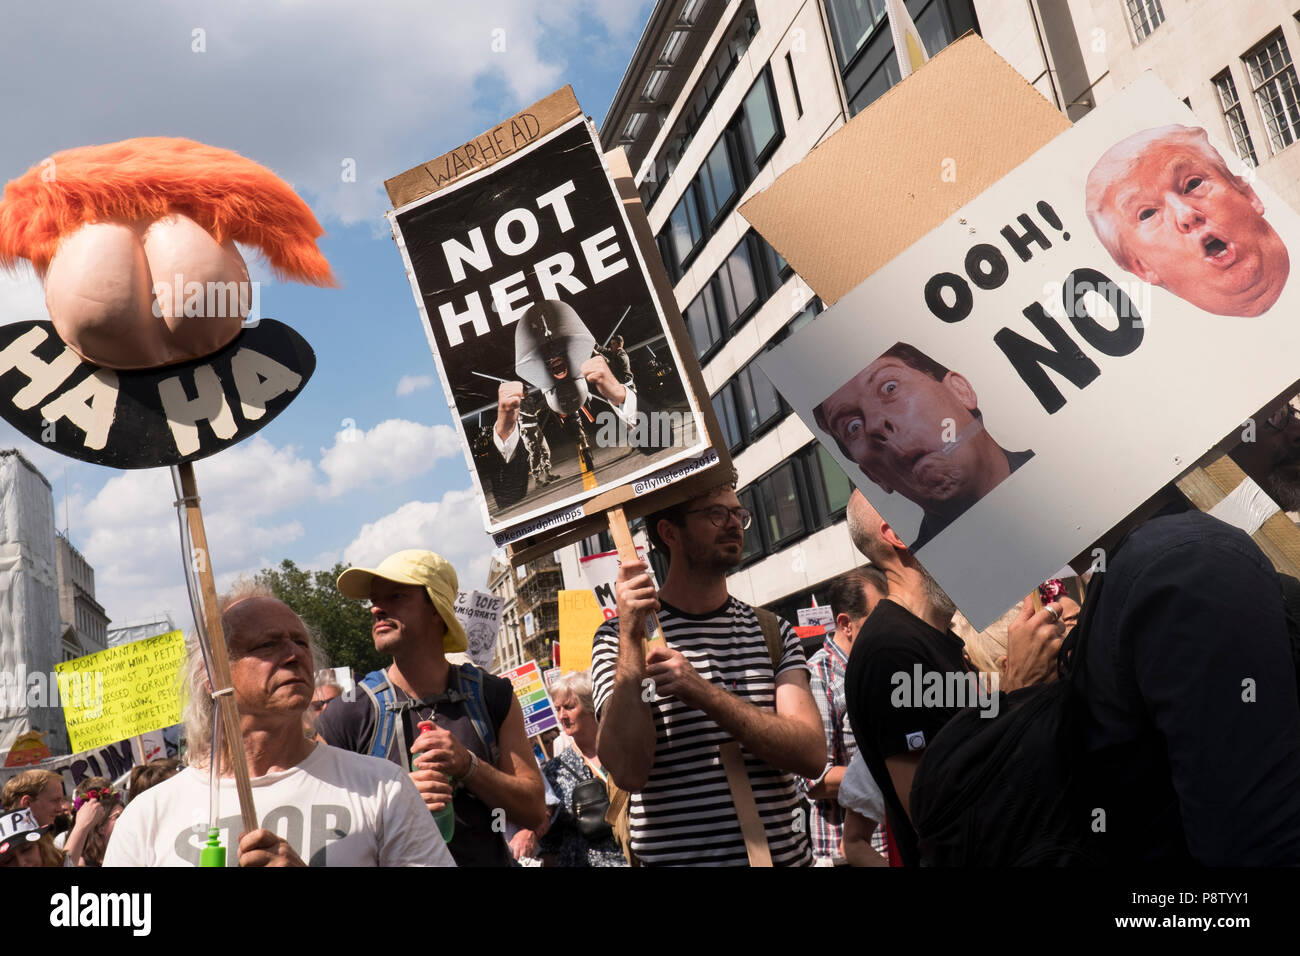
685, 814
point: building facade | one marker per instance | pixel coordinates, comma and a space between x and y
510, 642
1230, 61
85, 625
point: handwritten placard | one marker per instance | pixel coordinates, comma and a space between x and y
123, 691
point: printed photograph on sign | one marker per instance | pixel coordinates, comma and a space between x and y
914, 426
1017, 382
552, 348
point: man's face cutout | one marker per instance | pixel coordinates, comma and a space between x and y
1183, 223
906, 431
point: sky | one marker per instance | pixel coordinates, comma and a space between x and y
366, 460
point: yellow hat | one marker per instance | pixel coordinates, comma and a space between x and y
430, 571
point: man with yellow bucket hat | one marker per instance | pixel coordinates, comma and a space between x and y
476, 757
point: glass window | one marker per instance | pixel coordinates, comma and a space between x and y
851, 23
834, 481
1235, 117
809, 313
702, 321
1277, 93
766, 400
760, 122
717, 185
724, 404
753, 547
685, 225
737, 285
1145, 15
779, 493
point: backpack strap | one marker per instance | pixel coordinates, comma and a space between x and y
771, 625
381, 694
470, 680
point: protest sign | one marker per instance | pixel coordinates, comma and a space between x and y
539, 713
580, 615
820, 616
984, 387
110, 760
600, 571
147, 418
124, 691
479, 612
556, 357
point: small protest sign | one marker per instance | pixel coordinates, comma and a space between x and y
479, 612
555, 354
539, 713
600, 571
822, 615
124, 691
984, 387
580, 616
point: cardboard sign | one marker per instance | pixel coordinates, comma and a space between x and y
580, 616
152, 417
601, 570
822, 616
1088, 367
479, 612
526, 273
110, 761
539, 712
124, 691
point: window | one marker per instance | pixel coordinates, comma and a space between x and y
759, 122
1272, 74
724, 405
1235, 117
717, 185
684, 230
852, 22
831, 487
794, 86
737, 288
753, 547
1145, 15
779, 497
702, 322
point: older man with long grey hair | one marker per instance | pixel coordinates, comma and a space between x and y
319, 805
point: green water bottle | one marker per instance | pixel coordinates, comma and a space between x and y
446, 817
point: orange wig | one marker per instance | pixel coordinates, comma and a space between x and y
147, 178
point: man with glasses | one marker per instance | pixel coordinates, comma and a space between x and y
664, 714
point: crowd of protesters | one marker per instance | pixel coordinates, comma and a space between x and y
703, 736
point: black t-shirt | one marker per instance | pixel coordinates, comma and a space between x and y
350, 724
889, 713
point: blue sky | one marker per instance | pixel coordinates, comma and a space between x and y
352, 470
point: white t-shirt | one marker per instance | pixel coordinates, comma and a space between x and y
859, 791
336, 808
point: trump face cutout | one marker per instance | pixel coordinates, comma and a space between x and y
1168, 210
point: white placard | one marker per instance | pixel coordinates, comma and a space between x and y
1090, 416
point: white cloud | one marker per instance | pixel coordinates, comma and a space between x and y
130, 534
392, 451
410, 384
453, 527
319, 87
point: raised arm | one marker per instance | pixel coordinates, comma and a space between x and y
626, 739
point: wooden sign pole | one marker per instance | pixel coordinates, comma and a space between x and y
218, 655
622, 536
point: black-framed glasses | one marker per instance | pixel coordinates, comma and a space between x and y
1284, 415
720, 515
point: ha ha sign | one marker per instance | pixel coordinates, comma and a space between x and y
151, 417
